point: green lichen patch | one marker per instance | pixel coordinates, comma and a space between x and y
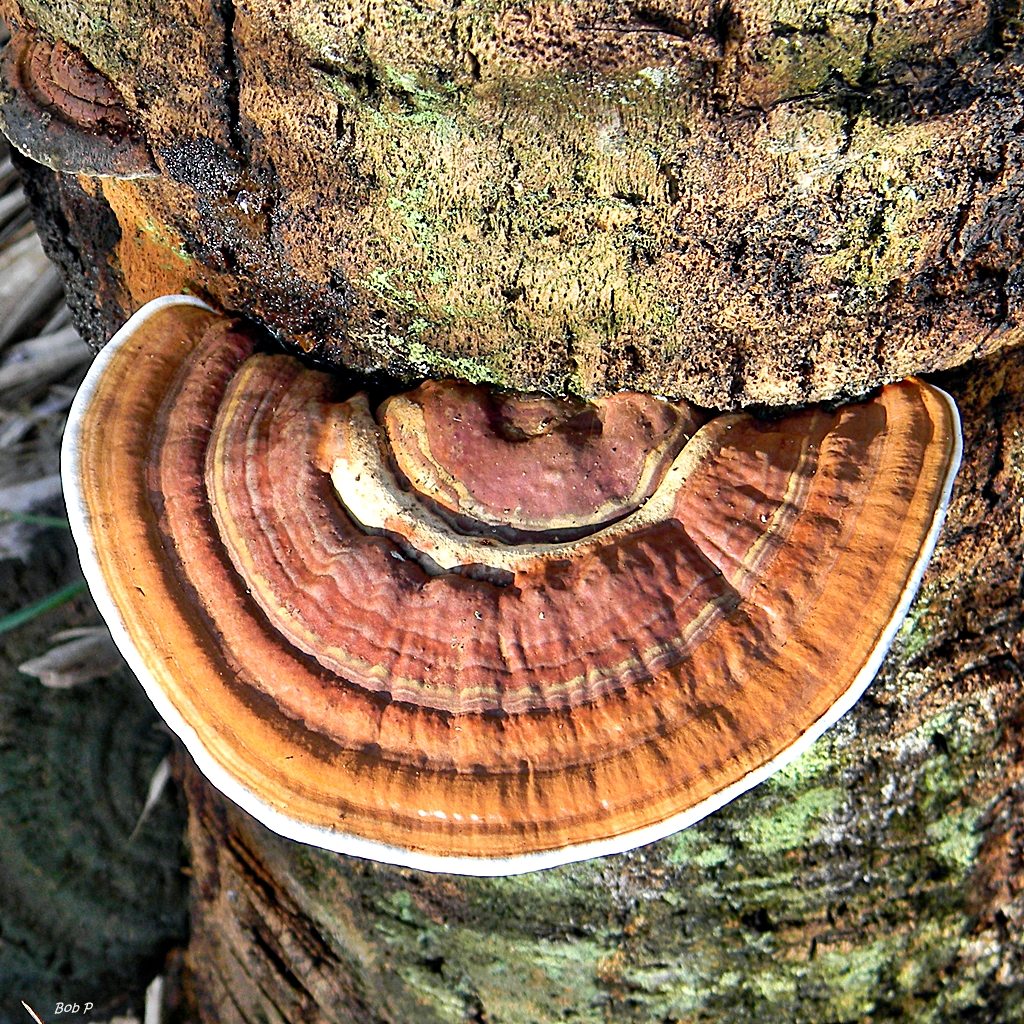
794, 823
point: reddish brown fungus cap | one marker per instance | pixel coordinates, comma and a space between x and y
536, 462
57, 109
362, 647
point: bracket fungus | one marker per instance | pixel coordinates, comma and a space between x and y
483, 633
58, 110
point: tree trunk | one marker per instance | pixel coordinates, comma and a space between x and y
720, 201
715, 201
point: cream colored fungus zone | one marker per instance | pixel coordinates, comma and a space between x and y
337, 653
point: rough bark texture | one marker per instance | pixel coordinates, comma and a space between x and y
878, 878
76, 229
746, 202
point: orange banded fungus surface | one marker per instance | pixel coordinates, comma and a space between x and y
486, 633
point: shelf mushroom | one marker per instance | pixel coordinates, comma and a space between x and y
487, 633
58, 110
